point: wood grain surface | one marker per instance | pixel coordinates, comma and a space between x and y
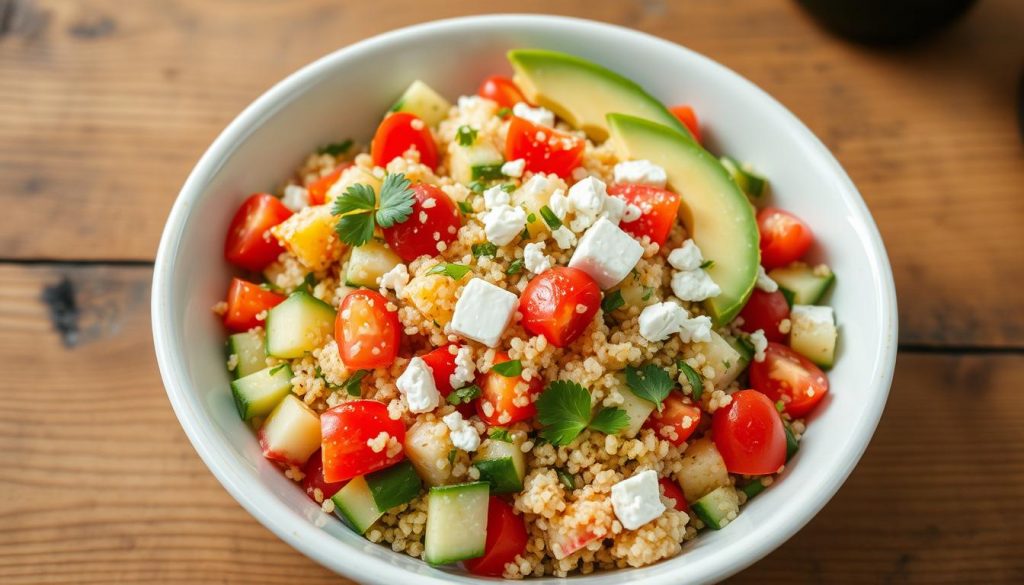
105, 105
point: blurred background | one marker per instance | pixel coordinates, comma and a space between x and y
105, 105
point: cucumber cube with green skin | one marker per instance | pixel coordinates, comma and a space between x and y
258, 393
423, 102
291, 432
298, 325
723, 356
792, 445
368, 263
250, 353
501, 464
366, 498
805, 284
813, 333
718, 508
476, 162
456, 522
702, 470
636, 408
752, 184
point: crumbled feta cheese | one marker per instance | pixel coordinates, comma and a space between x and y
537, 185
765, 282
696, 329
661, 320
642, 172
467, 102
614, 209
559, 204
417, 384
534, 258
496, 197
587, 196
483, 312
606, 253
503, 223
541, 116
565, 238
637, 500
295, 197
395, 279
514, 168
694, 285
463, 435
760, 343
465, 368
686, 257
631, 214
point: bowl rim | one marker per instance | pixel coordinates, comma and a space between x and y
315, 543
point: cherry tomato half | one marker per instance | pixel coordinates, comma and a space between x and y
688, 117
345, 430
785, 238
749, 435
313, 479
790, 377
396, 134
672, 490
765, 310
544, 150
502, 90
500, 403
367, 333
434, 219
506, 538
559, 304
680, 415
318, 188
245, 301
249, 243
660, 209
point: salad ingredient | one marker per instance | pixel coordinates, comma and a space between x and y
291, 432
789, 377
298, 325
785, 238
749, 434
397, 134
358, 437
465, 506
248, 244
559, 304
367, 332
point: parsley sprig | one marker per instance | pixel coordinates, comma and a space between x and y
696, 383
360, 213
352, 385
453, 271
464, 395
509, 369
564, 410
649, 382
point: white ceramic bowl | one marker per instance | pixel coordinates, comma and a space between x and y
343, 95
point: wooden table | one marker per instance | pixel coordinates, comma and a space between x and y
106, 104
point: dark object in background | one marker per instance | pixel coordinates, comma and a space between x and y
1020, 106
886, 22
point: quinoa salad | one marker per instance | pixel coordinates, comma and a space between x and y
541, 330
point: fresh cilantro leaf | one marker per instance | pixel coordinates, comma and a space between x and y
454, 271
278, 368
648, 291
509, 369
696, 382
612, 301
564, 410
464, 395
500, 435
484, 249
650, 383
335, 148
610, 420
396, 200
465, 207
566, 478
504, 112
352, 384
355, 206
515, 267
550, 218
707, 264
451, 456
466, 135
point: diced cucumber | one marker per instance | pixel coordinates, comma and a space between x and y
723, 357
456, 522
250, 352
502, 465
367, 263
368, 497
754, 185
702, 471
718, 508
806, 284
743, 347
752, 489
480, 161
636, 408
291, 433
792, 445
258, 393
421, 100
299, 324
813, 333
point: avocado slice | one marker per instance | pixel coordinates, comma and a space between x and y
582, 93
716, 213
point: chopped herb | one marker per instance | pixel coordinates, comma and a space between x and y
504, 112
789, 295
531, 218
509, 369
780, 406
486, 172
707, 264
610, 420
727, 364
508, 187
648, 291
612, 301
525, 234
477, 187
358, 216
550, 218
566, 478
515, 267
465, 207
746, 346
500, 435
564, 410
464, 395
352, 384
484, 249
650, 383
335, 148
466, 135
267, 285
451, 456
278, 368
696, 383
308, 283
454, 271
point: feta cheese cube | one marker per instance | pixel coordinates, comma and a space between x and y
514, 168
417, 384
463, 435
694, 285
637, 500
765, 282
641, 172
686, 257
534, 258
465, 368
542, 116
606, 253
483, 312
395, 279
295, 197
496, 197
503, 223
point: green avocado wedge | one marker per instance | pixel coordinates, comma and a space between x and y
716, 213
582, 93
